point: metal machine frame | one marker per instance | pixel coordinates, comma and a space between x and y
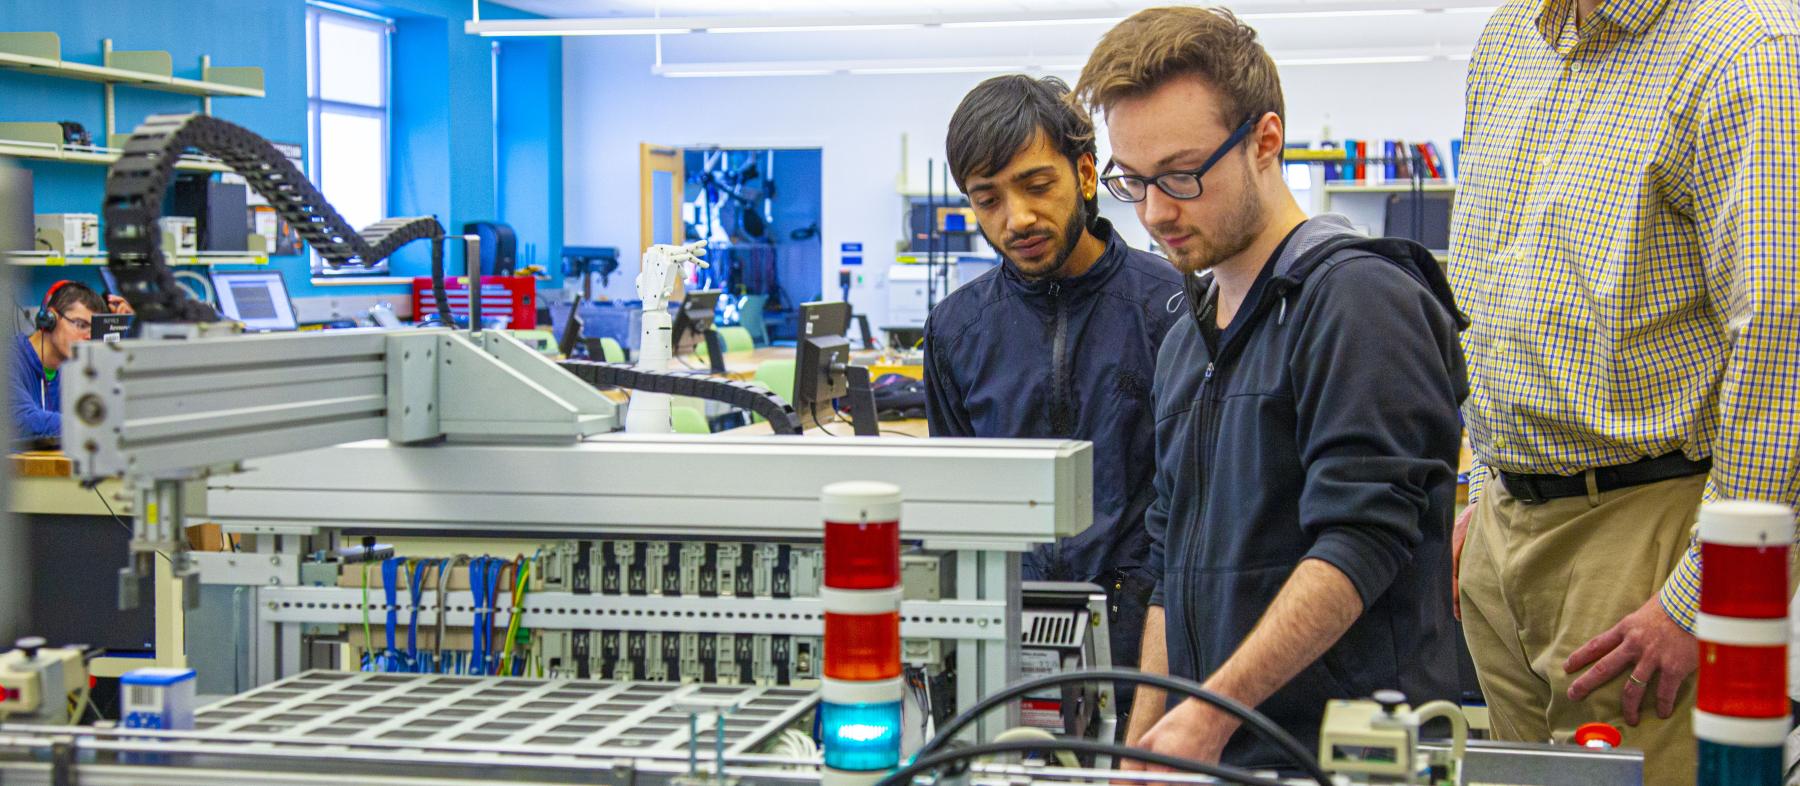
262, 418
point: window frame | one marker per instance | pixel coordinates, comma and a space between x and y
317, 106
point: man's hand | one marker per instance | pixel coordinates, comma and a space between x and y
1192, 730
1457, 535
1647, 645
118, 305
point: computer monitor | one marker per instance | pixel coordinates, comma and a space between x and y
822, 370
696, 317
570, 340
257, 298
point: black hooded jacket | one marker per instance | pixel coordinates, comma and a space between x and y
1322, 423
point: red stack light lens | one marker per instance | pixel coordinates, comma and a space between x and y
1746, 582
862, 555
1743, 682
862, 646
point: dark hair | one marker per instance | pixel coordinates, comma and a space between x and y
1000, 118
74, 292
1158, 44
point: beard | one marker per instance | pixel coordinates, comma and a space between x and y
1072, 230
1230, 236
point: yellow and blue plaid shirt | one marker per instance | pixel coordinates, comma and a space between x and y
1627, 242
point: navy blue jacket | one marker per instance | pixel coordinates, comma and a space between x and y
1322, 423
1063, 358
36, 403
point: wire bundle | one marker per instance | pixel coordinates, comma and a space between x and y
513, 655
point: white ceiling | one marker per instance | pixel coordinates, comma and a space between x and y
1288, 28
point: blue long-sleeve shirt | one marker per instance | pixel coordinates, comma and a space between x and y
36, 401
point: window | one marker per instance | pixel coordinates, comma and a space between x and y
347, 116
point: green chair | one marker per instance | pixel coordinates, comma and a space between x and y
688, 420
736, 339
778, 376
611, 351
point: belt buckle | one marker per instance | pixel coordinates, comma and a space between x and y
1525, 490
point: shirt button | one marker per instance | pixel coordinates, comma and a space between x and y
1499, 443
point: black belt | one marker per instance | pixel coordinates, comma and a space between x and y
1536, 489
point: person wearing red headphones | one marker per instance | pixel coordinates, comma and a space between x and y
64, 318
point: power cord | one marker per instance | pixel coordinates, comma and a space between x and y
818, 425
1253, 720
923, 763
115, 517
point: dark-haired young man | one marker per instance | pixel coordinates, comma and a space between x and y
1306, 408
1060, 340
65, 319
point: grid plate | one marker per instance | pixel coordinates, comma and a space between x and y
591, 716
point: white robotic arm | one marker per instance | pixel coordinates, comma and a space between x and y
649, 412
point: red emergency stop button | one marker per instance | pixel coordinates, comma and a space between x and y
1598, 735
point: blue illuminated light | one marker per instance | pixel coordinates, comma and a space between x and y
861, 737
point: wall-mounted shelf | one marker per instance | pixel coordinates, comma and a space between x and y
47, 259
43, 142
41, 53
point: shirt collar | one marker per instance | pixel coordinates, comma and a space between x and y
1632, 16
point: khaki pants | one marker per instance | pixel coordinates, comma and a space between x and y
1539, 581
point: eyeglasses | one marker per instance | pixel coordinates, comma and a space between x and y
1182, 184
80, 324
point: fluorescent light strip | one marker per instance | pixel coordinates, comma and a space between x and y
1328, 61
593, 31
1275, 15
1107, 20
735, 74
812, 28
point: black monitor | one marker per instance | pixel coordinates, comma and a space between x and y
822, 370
696, 316
571, 332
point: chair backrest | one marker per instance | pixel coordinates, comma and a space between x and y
778, 376
737, 339
688, 420
610, 350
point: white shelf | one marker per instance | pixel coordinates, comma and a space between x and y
103, 156
47, 259
40, 53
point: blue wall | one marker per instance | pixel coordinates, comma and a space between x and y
443, 146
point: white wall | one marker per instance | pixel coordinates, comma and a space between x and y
612, 102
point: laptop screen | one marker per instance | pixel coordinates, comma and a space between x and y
259, 299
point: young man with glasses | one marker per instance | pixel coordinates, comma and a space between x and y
1060, 340
65, 317
1306, 408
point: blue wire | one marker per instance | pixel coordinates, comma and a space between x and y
478, 592
390, 578
493, 584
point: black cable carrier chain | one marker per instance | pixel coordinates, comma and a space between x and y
743, 395
135, 185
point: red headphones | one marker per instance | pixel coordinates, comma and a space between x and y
46, 319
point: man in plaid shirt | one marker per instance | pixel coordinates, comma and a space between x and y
1627, 244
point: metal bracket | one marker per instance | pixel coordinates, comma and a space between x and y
244, 568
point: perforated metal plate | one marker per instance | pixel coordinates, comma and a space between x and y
556, 715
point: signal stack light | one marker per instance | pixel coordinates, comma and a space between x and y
1742, 718
860, 713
